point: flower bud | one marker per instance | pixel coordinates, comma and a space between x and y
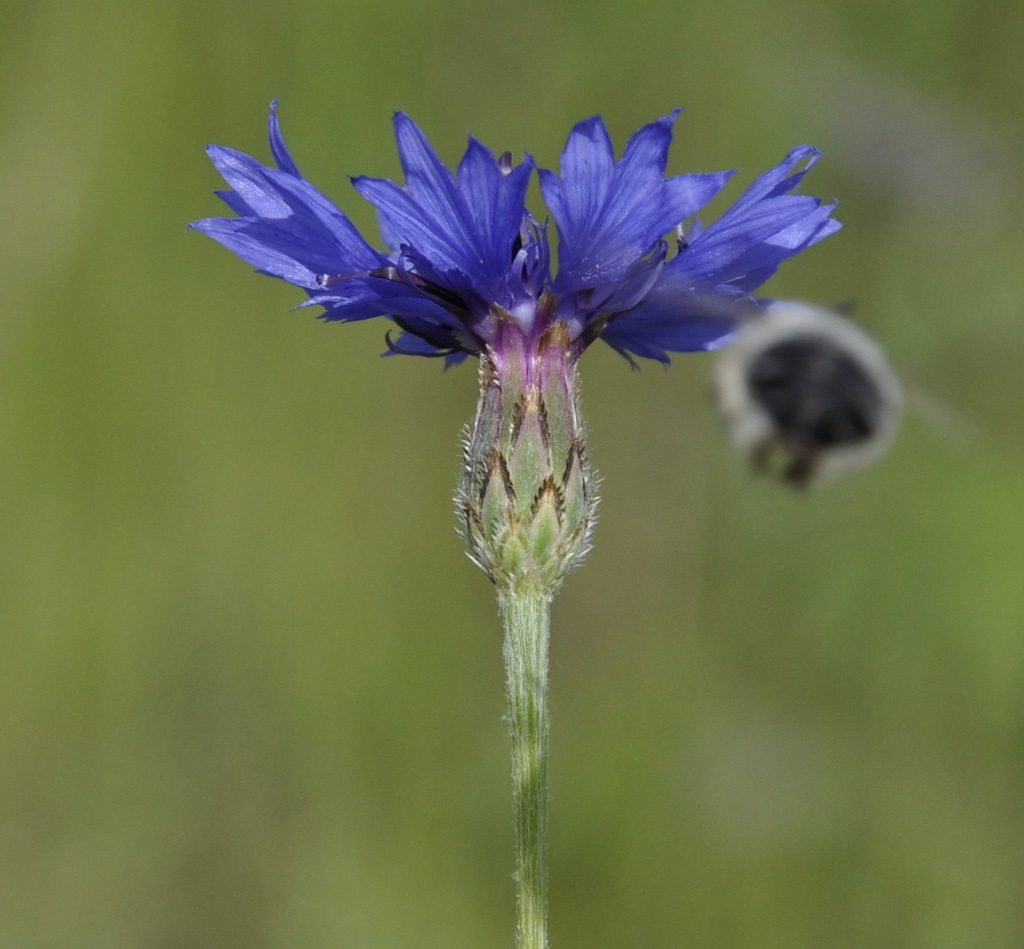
526, 500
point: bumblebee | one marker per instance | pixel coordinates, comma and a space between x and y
806, 395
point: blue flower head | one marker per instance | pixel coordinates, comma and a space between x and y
468, 267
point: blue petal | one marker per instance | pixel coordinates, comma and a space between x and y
588, 165
496, 203
409, 344
277, 147
234, 201
689, 306
689, 323
778, 180
465, 226
359, 297
286, 227
249, 179
610, 214
270, 249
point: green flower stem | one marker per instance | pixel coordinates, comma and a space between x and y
526, 504
525, 616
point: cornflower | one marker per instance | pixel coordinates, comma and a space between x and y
467, 270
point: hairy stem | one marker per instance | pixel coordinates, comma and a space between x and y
525, 616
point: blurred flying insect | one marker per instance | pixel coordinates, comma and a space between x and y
806, 395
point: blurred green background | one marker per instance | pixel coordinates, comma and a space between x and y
250, 687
